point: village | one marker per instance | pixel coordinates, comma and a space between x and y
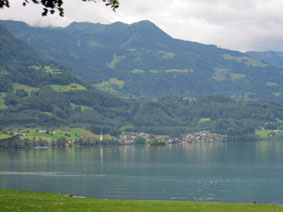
197, 137
127, 138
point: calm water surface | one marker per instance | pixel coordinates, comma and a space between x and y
225, 172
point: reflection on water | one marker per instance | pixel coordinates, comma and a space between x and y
226, 172
101, 157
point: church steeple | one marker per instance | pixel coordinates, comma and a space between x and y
101, 137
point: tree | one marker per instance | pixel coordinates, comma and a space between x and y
50, 6
140, 140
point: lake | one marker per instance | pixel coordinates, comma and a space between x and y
218, 172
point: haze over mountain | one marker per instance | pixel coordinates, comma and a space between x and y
142, 60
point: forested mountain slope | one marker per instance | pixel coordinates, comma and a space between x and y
35, 92
142, 60
270, 57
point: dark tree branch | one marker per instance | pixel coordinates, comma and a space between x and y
50, 6
4, 3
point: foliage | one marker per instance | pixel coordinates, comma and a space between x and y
270, 57
23, 88
61, 142
65, 88
269, 133
140, 140
148, 62
50, 6
105, 130
155, 142
2, 100
15, 142
247, 60
81, 105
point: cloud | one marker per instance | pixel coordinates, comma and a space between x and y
241, 25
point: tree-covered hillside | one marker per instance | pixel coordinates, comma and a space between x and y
270, 57
36, 92
142, 60
39, 92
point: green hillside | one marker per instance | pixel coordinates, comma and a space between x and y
270, 57
148, 62
36, 93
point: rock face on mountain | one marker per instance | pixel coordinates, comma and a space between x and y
142, 60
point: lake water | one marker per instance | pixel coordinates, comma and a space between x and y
218, 172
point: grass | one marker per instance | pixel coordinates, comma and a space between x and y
246, 60
272, 84
2, 100
102, 84
106, 86
78, 43
47, 69
204, 120
236, 76
131, 50
137, 71
37, 68
153, 71
54, 71
166, 55
265, 133
82, 107
74, 134
116, 59
92, 43
38, 201
277, 94
68, 133
66, 88
26, 88
112, 81
189, 98
221, 73
4, 72
48, 113
249, 95
4, 136
115, 81
179, 70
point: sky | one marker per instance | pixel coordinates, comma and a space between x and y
244, 25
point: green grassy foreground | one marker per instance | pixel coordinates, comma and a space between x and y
37, 201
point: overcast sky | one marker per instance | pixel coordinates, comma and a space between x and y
234, 24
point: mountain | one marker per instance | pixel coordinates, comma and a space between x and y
35, 92
270, 57
142, 60
39, 93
